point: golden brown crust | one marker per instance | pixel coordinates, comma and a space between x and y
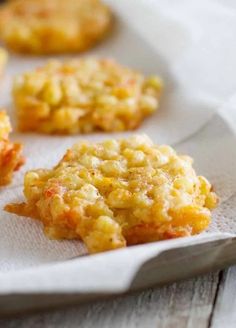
53, 26
81, 96
118, 193
10, 153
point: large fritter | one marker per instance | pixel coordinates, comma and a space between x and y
118, 193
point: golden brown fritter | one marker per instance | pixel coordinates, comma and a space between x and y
81, 96
53, 26
117, 193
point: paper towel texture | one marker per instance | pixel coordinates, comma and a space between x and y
182, 42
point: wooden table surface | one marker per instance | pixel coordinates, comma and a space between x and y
205, 301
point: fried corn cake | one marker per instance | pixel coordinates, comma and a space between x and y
53, 26
117, 193
84, 95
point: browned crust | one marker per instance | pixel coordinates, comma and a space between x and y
11, 160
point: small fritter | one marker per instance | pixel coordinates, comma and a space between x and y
10, 153
117, 193
84, 95
53, 26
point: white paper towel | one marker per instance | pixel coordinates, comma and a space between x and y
192, 45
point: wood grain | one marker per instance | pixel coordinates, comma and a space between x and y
224, 314
186, 304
